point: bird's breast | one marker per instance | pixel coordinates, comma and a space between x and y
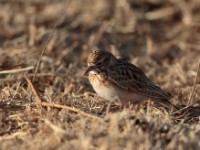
103, 87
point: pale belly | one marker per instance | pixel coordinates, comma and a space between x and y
114, 93
108, 93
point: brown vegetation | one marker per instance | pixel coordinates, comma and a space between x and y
58, 109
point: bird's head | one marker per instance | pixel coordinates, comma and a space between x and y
99, 60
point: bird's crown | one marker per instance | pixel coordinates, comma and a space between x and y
100, 57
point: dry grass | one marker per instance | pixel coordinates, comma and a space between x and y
59, 110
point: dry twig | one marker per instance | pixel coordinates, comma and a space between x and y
45, 104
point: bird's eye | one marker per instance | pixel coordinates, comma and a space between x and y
99, 64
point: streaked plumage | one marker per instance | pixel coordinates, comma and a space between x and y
117, 80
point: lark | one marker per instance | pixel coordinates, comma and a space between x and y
117, 80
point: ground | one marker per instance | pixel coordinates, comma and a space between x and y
47, 103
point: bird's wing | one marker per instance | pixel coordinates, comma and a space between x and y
131, 78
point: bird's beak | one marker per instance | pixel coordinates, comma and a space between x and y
89, 69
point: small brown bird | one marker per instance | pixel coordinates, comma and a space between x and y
117, 80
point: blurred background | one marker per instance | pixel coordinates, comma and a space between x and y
125, 27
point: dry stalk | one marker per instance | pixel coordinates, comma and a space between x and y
57, 129
48, 40
16, 70
45, 104
31, 86
14, 135
194, 85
